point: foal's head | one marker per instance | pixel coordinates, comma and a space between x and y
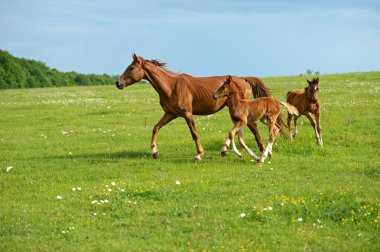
312, 89
132, 74
225, 89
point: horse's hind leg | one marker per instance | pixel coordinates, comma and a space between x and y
166, 118
242, 143
273, 130
290, 125
295, 132
255, 132
191, 123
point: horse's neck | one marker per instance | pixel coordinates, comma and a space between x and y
233, 101
161, 79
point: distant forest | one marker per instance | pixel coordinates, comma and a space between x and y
25, 73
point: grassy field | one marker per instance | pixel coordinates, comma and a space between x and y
76, 175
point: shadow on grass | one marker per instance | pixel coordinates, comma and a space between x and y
103, 156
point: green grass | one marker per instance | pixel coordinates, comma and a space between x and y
304, 198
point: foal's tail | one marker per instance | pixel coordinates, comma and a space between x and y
259, 89
290, 108
280, 120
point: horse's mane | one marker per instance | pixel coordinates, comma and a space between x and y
158, 63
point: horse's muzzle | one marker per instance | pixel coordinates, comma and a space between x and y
119, 85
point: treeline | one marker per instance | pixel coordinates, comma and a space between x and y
25, 73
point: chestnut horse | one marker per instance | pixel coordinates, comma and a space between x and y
182, 95
307, 103
246, 112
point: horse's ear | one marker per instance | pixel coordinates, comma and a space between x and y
309, 82
317, 80
229, 78
135, 57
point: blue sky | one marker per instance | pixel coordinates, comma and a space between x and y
198, 37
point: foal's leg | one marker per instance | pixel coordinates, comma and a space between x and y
231, 136
226, 145
166, 118
308, 115
273, 130
319, 128
242, 143
255, 131
191, 123
290, 125
295, 132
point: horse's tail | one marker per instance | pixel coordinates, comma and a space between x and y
259, 89
280, 120
282, 126
290, 108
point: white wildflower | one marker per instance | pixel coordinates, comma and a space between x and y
300, 219
9, 168
242, 215
73, 189
94, 201
113, 183
59, 197
177, 182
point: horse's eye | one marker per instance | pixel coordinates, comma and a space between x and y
131, 68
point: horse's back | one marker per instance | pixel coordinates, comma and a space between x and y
294, 97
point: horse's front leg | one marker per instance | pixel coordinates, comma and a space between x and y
319, 128
231, 136
164, 120
308, 115
191, 123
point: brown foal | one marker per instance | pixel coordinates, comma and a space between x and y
307, 103
245, 112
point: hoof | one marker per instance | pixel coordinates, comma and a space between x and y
197, 159
223, 153
155, 155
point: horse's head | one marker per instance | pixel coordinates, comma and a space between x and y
132, 74
312, 89
224, 89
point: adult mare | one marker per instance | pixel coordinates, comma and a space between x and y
182, 95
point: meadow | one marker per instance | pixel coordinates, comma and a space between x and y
76, 174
